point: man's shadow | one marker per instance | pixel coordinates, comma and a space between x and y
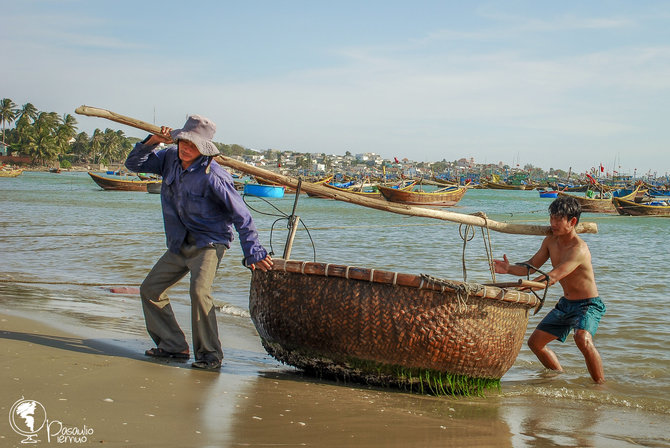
74, 344
237, 361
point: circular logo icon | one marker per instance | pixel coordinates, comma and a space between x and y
27, 418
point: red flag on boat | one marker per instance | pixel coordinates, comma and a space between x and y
396, 160
593, 181
602, 168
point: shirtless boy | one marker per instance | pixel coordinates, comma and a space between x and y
580, 307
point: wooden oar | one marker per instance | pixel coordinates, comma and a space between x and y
309, 187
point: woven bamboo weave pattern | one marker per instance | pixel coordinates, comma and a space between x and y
357, 314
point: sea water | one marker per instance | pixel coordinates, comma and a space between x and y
65, 242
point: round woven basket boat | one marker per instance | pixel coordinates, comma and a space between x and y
386, 327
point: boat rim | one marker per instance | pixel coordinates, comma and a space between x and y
394, 278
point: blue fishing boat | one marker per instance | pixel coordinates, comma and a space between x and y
264, 191
656, 192
548, 193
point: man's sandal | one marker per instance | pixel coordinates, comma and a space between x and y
208, 363
160, 353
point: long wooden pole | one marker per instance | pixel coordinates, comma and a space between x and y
520, 229
104, 113
479, 221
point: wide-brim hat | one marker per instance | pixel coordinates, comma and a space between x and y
200, 131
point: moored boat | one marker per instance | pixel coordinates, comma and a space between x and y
503, 186
444, 182
570, 188
388, 328
110, 183
599, 204
658, 192
154, 187
444, 197
261, 181
364, 190
652, 208
264, 191
548, 193
10, 173
371, 191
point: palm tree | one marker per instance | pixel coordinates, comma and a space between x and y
29, 111
7, 114
66, 132
81, 147
110, 146
124, 146
42, 143
96, 145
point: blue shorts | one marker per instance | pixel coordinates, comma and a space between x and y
568, 314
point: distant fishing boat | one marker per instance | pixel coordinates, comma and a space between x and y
260, 181
657, 192
10, 173
570, 188
548, 193
602, 204
389, 328
110, 183
651, 208
443, 197
369, 190
154, 187
503, 186
264, 191
444, 182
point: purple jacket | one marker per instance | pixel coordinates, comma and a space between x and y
206, 205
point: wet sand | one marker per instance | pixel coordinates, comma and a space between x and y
127, 399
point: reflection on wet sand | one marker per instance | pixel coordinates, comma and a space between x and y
283, 409
556, 422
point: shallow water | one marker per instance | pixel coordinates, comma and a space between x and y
68, 242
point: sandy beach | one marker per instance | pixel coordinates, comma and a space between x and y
118, 397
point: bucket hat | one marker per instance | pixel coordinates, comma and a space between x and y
200, 131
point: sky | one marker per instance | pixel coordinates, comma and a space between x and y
561, 85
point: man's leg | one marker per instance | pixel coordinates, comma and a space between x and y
203, 266
160, 320
594, 363
538, 344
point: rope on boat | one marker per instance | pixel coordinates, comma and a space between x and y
462, 290
529, 266
468, 234
488, 246
465, 236
280, 217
